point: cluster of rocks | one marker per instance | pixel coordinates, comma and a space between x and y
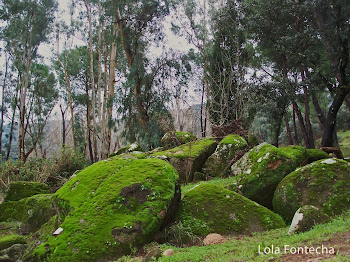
233, 187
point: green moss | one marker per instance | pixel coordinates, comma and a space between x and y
127, 149
344, 142
262, 168
9, 240
315, 154
209, 208
168, 140
33, 212
324, 184
113, 206
22, 189
218, 163
188, 150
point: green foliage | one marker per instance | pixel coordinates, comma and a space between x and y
59, 167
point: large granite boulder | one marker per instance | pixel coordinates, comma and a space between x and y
12, 247
261, 169
134, 147
111, 208
220, 160
324, 184
209, 208
174, 139
307, 217
188, 158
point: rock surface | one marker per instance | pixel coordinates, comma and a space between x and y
208, 208
22, 189
213, 239
171, 140
305, 218
127, 149
324, 184
261, 169
226, 150
110, 208
32, 212
188, 158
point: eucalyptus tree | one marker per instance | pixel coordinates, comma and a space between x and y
25, 25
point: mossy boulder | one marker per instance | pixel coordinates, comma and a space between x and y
188, 158
208, 208
226, 150
134, 147
315, 154
307, 217
110, 208
12, 247
32, 212
261, 169
22, 189
324, 184
174, 139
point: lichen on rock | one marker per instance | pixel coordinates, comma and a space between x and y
261, 169
324, 184
226, 150
134, 147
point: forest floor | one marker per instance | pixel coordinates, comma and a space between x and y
327, 242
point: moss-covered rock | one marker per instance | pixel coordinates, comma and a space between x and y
315, 154
188, 158
307, 217
171, 140
22, 189
110, 208
32, 212
324, 184
127, 149
12, 247
9, 240
208, 208
226, 150
261, 169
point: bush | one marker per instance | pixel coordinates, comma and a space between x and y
53, 171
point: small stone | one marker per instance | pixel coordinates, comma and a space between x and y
213, 239
168, 253
58, 231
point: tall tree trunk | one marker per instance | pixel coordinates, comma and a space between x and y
63, 112
295, 136
310, 134
301, 124
289, 134
331, 120
3, 104
143, 114
92, 82
318, 110
70, 102
12, 126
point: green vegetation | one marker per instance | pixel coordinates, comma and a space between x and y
22, 189
168, 141
344, 142
324, 184
32, 212
246, 248
109, 208
9, 240
208, 208
189, 150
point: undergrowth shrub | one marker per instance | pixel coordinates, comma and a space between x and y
53, 171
